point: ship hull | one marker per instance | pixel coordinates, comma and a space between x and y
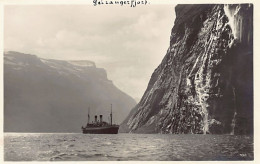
101, 130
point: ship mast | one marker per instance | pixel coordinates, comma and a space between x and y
88, 115
111, 115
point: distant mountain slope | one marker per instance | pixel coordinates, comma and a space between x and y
45, 95
204, 84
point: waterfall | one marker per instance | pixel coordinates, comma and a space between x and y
202, 89
204, 113
233, 123
206, 122
235, 21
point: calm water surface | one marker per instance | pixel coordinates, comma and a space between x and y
147, 147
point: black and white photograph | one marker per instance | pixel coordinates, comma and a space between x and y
128, 80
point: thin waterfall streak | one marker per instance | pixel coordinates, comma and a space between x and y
233, 123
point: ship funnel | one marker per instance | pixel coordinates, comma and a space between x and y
100, 116
95, 118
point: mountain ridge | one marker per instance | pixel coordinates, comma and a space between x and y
49, 95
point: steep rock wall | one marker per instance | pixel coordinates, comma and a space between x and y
204, 84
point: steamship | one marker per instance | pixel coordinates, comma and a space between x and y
100, 127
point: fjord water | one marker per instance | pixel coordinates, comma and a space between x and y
106, 147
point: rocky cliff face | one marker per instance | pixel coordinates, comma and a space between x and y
44, 95
204, 84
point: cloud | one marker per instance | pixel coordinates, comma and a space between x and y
128, 42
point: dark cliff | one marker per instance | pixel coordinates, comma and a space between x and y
204, 84
44, 95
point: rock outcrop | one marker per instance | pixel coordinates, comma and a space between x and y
204, 84
44, 95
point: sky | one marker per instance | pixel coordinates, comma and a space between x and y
129, 43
